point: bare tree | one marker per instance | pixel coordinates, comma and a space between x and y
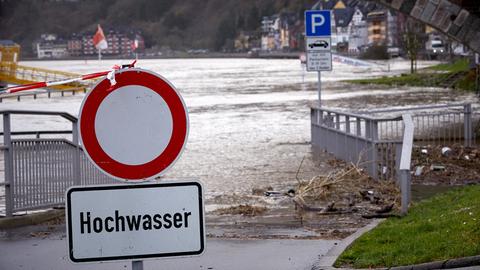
413, 38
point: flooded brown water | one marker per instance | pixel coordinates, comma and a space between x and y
250, 119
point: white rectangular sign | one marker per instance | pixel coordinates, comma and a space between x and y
319, 56
123, 222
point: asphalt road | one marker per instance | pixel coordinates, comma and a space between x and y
49, 252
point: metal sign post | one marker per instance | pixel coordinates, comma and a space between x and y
477, 79
318, 44
137, 265
319, 89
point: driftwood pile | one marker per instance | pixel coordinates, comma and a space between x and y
346, 190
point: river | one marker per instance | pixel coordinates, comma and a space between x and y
249, 118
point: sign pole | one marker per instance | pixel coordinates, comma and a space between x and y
319, 89
137, 265
318, 41
477, 79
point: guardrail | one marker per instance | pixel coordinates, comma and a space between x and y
37, 171
436, 124
354, 138
375, 141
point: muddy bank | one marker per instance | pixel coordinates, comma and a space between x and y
327, 206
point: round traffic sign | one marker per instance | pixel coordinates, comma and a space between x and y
135, 129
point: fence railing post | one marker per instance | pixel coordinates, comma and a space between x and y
467, 125
347, 124
359, 127
405, 188
320, 118
76, 156
405, 160
371, 134
8, 159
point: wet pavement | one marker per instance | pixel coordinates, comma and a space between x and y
28, 249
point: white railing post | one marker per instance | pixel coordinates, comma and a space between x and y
405, 160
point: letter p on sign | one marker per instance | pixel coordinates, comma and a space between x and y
317, 23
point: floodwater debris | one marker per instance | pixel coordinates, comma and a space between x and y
273, 193
347, 190
459, 167
446, 151
436, 167
419, 170
261, 191
243, 209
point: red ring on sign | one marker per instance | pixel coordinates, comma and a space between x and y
174, 147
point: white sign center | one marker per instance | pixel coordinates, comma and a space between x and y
141, 136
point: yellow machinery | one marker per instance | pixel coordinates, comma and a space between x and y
12, 73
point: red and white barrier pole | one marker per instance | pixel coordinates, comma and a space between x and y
35, 85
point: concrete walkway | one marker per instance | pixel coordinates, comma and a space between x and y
50, 253
45, 248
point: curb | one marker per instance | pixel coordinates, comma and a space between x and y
446, 264
30, 219
327, 261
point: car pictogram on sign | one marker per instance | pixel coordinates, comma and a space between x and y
318, 43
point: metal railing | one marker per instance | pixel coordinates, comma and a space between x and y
354, 138
435, 124
37, 171
375, 141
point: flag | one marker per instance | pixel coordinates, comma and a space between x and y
99, 39
134, 44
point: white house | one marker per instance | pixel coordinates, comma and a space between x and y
50, 46
358, 36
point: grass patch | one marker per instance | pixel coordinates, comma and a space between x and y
430, 77
444, 227
404, 79
459, 65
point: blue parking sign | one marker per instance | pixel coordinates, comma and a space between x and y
317, 23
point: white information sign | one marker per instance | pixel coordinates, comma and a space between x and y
319, 56
123, 222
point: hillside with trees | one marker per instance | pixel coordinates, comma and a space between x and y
208, 24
